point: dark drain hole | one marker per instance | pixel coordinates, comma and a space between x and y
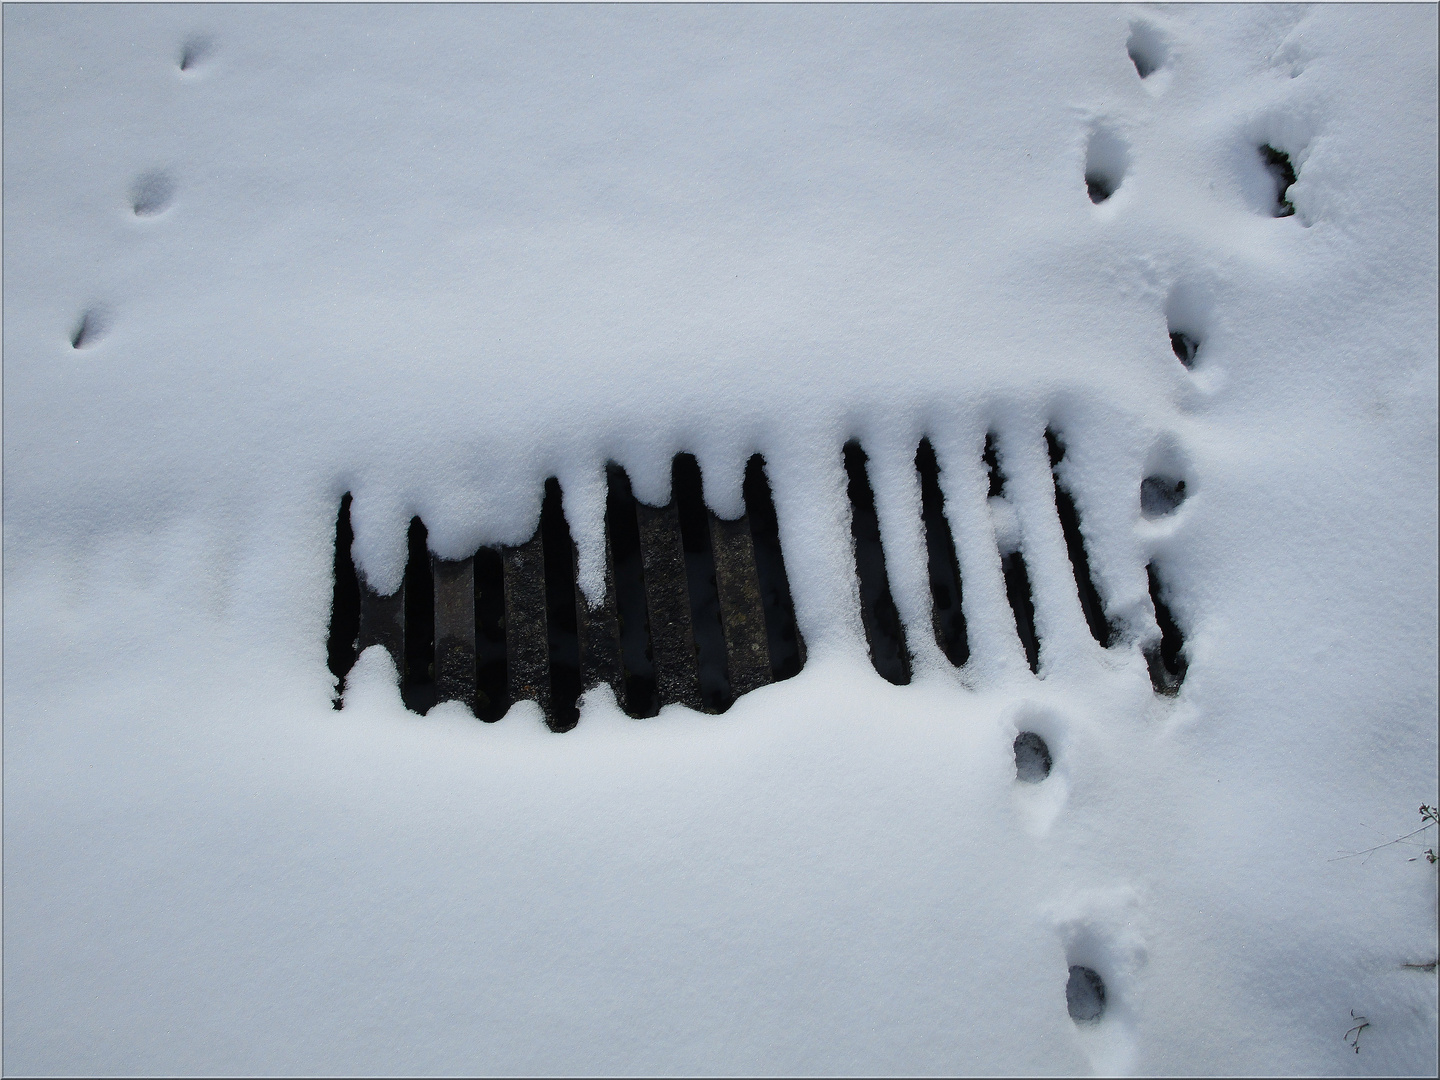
710, 656
1090, 602
945, 591
1185, 347
417, 680
1166, 660
345, 607
883, 629
1032, 758
1012, 565
1085, 995
787, 649
492, 674
642, 695
1278, 163
562, 627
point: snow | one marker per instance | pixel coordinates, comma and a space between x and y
432, 255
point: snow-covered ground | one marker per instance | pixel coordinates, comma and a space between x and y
258, 256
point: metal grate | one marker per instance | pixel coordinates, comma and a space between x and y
697, 609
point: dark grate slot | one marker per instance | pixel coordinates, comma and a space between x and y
562, 629
786, 647
712, 665
1100, 628
492, 692
455, 630
345, 607
992, 468
1166, 659
417, 679
642, 696
945, 593
883, 629
1017, 590
1282, 171
1012, 564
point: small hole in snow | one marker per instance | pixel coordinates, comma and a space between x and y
1283, 172
1185, 347
1147, 50
1160, 495
1085, 995
195, 50
1032, 758
92, 324
1098, 188
1107, 159
151, 193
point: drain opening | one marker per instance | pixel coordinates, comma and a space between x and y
1282, 171
641, 697
1165, 659
1085, 995
1100, 628
1012, 565
709, 635
562, 629
345, 606
1032, 758
492, 693
417, 680
883, 629
787, 648
945, 592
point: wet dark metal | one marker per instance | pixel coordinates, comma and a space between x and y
455, 630
526, 635
668, 597
742, 613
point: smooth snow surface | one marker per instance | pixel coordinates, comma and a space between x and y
259, 256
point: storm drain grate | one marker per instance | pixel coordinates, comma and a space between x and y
697, 609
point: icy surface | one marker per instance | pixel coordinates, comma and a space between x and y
256, 257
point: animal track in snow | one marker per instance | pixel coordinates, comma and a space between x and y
1147, 49
94, 322
151, 193
1032, 758
1107, 159
194, 52
1282, 171
1085, 995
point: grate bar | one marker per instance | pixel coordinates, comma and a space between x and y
527, 643
742, 614
455, 630
667, 596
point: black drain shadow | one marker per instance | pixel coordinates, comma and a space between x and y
1165, 659
492, 673
945, 591
345, 604
417, 678
1101, 629
883, 629
1012, 565
561, 624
